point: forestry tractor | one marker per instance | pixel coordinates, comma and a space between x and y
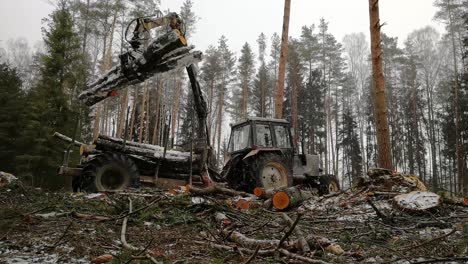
261, 153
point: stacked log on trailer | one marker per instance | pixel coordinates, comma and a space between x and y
175, 162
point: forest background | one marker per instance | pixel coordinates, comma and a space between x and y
328, 88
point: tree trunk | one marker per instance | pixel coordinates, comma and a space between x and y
462, 181
132, 118
156, 109
282, 63
147, 123
295, 123
220, 116
122, 114
175, 108
143, 112
380, 107
85, 33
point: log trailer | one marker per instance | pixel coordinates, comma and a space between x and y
261, 153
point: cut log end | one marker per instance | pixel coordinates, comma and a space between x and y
281, 200
259, 191
243, 204
417, 201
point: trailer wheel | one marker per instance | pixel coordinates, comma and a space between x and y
328, 184
271, 172
109, 172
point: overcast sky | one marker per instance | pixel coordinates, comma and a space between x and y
244, 20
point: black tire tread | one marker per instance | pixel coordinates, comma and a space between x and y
91, 168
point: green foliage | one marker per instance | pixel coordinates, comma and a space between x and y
51, 103
11, 105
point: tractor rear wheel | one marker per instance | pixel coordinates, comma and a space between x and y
328, 184
272, 172
109, 172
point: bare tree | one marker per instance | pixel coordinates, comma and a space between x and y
282, 63
380, 107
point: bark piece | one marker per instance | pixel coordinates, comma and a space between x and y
102, 259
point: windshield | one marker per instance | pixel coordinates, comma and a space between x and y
240, 138
282, 137
264, 135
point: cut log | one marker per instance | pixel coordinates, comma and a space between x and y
417, 201
263, 193
216, 189
68, 140
290, 197
166, 53
104, 142
247, 203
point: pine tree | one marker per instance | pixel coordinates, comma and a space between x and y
294, 86
52, 105
262, 81
11, 105
189, 17
245, 71
228, 62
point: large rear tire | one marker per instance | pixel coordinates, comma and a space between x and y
328, 184
109, 172
272, 172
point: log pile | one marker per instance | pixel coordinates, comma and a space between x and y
171, 163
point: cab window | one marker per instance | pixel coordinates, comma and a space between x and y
282, 137
264, 135
240, 138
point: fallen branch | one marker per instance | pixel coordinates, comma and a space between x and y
244, 241
291, 229
300, 258
91, 216
430, 241
130, 212
62, 236
252, 257
268, 252
302, 241
442, 260
381, 215
216, 189
124, 229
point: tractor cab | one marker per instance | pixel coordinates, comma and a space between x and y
261, 154
260, 134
